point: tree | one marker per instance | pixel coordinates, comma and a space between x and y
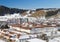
51, 13
4, 27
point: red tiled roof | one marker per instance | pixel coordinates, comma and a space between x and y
15, 25
33, 26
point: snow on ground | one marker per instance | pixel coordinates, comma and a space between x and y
2, 40
55, 40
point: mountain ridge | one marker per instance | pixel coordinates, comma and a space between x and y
48, 11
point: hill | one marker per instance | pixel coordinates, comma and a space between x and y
47, 12
5, 10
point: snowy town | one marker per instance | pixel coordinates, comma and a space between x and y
29, 20
27, 28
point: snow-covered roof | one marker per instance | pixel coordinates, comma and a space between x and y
24, 36
28, 11
36, 40
3, 19
15, 15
